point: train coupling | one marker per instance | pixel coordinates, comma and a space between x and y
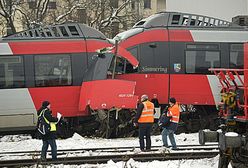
225, 139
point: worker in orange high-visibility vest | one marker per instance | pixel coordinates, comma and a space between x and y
144, 120
169, 130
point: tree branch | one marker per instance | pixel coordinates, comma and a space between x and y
68, 12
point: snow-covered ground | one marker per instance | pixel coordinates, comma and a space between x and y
25, 142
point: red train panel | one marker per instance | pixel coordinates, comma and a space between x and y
150, 84
106, 94
52, 47
63, 99
191, 89
154, 35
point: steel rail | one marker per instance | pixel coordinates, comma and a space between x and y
113, 149
143, 156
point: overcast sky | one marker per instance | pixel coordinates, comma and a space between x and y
222, 9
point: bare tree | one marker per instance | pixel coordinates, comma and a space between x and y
33, 12
105, 15
7, 11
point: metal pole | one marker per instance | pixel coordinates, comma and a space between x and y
115, 60
108, 127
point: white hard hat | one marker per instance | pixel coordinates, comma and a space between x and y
144, 97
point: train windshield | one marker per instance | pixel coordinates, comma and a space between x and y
99, 67
103, 65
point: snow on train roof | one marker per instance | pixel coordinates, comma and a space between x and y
128, 33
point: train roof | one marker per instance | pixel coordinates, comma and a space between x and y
62, 31
175, 19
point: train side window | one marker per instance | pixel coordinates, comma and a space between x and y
175, 19
63, 31
11, 72
134, 51
200, 61
53, 70
120, 66
129, 68
236, 56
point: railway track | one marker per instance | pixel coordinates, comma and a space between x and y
116, 157
116, 149
102, 155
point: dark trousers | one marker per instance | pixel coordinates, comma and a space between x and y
53, 145
145, 133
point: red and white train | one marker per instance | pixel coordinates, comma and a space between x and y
49, 64
173, 52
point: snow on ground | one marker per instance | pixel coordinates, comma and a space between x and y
25, 142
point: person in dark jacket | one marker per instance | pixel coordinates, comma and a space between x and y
144, 119
49, 138
174, 114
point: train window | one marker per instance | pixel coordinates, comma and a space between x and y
200, 61
185, 19
129, 67
193, 21
200, 20
119, 69
73, 30
55, 31
153, 57
203, 46
236, 56
175, 19
11, 72
47, 31
52, 70
63, 31
134, 51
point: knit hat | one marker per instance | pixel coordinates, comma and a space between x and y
172, 100
45, 103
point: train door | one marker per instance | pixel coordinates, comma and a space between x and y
153, 69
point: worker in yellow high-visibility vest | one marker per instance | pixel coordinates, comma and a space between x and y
49, 137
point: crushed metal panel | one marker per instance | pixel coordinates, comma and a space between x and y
106, 94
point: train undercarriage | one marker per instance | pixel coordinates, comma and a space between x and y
115, 122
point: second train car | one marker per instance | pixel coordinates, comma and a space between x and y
175, 51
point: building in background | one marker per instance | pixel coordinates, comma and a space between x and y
146, 8
222, 9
